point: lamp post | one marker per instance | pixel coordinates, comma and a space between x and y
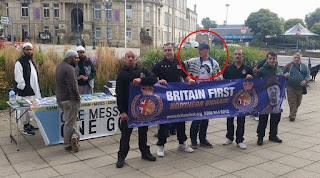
78, 28
94, 27
243, 31
107, 16
298, 32
29, 31
227, 21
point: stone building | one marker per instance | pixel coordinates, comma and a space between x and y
164, 20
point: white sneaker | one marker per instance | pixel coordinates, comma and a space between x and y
242, 145
256, 118
160, 151
185, 148
227, 142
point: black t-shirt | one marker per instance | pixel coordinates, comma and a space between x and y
232, 72
169, 71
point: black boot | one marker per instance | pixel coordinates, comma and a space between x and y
120, 163
275, 139
148, 157
260, 141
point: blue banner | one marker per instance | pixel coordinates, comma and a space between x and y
178, 101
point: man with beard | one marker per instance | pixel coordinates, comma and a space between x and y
68, 98
85, 72
26, 76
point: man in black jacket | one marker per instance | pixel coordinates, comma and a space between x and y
131, 72
169, 70
85, 72
26, 76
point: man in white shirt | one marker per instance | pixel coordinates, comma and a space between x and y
26, 76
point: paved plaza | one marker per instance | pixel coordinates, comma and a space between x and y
297, 156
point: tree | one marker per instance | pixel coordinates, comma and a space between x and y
199, 27
316, 28
292, 22
264, 22
208, 23
313, 18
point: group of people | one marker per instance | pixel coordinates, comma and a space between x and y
75, 75
205, 67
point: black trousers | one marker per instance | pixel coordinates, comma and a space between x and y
125, 139
263, 121
240, 129
163, 134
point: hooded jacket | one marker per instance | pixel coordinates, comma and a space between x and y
266, 70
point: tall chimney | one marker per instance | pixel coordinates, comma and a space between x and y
195, 8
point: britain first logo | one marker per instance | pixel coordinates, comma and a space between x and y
147, 106
246, 99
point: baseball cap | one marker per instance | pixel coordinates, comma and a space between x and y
204, 46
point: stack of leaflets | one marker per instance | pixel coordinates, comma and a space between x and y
47, 101
23, 103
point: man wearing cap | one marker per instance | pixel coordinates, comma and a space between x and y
68, 99
26, 76
202, 67
85, 72
269, 69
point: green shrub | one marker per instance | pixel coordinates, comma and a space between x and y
151, 57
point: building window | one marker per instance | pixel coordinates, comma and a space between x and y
98, 33
56, 29
7, 9
109, 33
129, 12
24, 10
170, 19
159, 17
166, 18
46, 29
56, 10
46, 12
128, 34
97, 11
108, 12
148, 13
149, 32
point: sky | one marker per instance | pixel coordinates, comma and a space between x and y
239, 10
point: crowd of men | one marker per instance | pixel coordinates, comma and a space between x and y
75, 75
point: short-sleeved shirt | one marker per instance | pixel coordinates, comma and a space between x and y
232, 72
169, 71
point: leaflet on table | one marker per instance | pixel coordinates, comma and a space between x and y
50, 101
95, 97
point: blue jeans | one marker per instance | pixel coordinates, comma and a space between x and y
240, 129
199, 126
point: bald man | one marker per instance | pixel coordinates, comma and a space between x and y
131, 72
68, 99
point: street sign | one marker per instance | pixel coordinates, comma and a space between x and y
5, 20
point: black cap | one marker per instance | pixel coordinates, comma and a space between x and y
204, 46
